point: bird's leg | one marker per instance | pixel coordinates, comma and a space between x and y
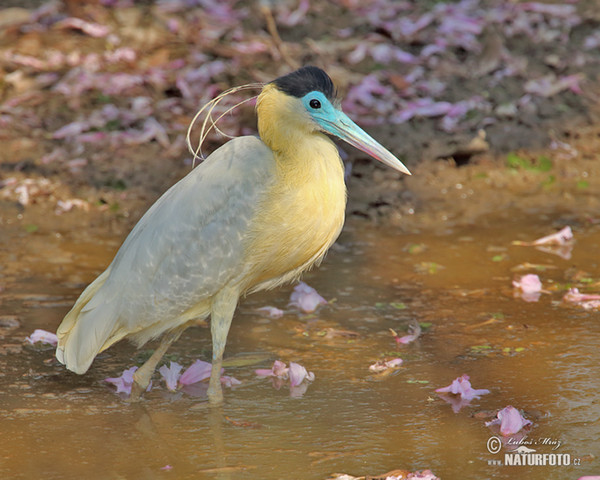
222, 309
142, 376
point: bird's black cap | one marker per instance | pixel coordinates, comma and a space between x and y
304, 80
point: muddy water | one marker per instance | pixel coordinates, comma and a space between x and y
541, 357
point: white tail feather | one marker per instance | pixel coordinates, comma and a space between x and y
86, 330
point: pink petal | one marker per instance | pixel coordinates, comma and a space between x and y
43, 336
306, 298
229, 381
196, 372
574, 296
462, 386
89, 28
407, 339
510, 421
529, 283
297, 374
396, 362
550, 85
589, 301
171, 374
384, 365
70, 130
415, 331
124, 382
279, 369
423, 475
290, 19
564, 11
559, 238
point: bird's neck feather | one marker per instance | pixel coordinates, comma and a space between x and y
300, 149
303, 212
282, 121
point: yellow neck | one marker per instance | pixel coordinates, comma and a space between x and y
282, 120
303, 212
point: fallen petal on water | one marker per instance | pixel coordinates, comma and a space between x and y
306, 298
383, 365
42, 336
510, 421
171, 374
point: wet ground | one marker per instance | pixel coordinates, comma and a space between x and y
540, 357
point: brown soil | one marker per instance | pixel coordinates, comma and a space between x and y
458, 178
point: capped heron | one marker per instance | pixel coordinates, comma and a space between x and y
255, 214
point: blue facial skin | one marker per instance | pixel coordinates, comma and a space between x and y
321, 110
334, 121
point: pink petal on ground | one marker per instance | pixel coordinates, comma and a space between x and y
71, 130
42, 336
564, 11
122, 54
306, 298
124, 382
293, 18
592, 41
358, 54
171, 374
529, 283
89, 28
196, 372
550, 85
385, 53
510, 421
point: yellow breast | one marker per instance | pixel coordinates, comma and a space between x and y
302, 214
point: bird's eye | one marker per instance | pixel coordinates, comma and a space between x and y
314, 103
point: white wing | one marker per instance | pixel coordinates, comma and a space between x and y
190, 242
186, 247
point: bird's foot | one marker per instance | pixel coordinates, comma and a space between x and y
136, 392
139, 386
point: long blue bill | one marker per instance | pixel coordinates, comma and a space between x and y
344, 128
